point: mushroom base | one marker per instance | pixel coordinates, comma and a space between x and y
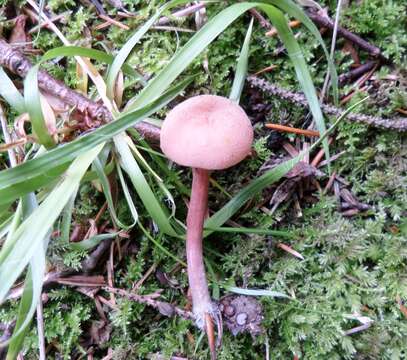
202, 309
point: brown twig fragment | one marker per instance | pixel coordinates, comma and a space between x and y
292, 130
398, 124
7, 332
181, 13
291, 24
114, 22
402, 111
262, 20
266, 69
164, 308
17, 63
356, 73
290, 250
326, 22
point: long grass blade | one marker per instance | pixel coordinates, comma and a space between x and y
34, 229
108, 194
244, 230
127, 194
154, 208
301, 69
35, 173
242, 66
181, 60
126, 49
292, 9
270, 177
10, 93
91, 54
33, 106
92, 241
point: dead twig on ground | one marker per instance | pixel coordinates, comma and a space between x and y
164, 308
326, 22
396, 123
7, 330
16, 62
181, 13
261, 19
356, 73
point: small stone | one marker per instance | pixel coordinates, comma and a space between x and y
229, 310
165, 309
242, 314
241, 319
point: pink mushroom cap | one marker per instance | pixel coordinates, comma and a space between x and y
207, 132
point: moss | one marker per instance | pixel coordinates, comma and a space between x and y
351, 266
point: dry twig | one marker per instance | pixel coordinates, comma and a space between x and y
17, 63
181, 13
396, 123
326, 22
164, 308
356, 73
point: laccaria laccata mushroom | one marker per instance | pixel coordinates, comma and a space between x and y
205, 133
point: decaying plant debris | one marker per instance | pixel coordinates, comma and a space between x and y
329, 282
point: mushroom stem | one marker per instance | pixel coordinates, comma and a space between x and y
198, 204
203, 308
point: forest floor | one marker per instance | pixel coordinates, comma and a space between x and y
341, 257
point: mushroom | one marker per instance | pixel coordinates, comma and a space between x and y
205, 133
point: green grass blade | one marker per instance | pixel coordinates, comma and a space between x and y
89, 53
32, 285
294, 52
130, 165
29, 300
92, 241
10, 93
67, 219
34, 109
92, 175
247, 193
155, 176
270, 177
126, 49
16, 342
5, 226
244, 230
108, 194
35, 173
242, 65
198, 43
295, 11
127, 195
34, 229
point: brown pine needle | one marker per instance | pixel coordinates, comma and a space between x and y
292, 130
210, 332
402, 111
291, 24
266, 69
114, 22
290, 250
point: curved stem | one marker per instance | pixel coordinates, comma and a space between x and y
198, 204
204, 311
